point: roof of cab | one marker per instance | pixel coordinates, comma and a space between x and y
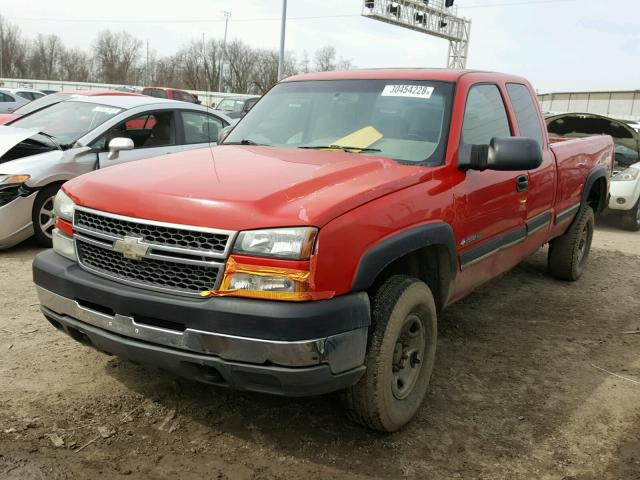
441, 74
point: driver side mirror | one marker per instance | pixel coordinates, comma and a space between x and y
502, 154
222, 134
118, 144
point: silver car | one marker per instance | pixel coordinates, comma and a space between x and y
10, 101
42, 150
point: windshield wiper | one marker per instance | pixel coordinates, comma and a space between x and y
52, 138
245, 141
344, 148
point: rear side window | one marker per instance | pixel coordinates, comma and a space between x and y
5, 98
485, 116
187, 97
200, 127
154, 92
26, 95
526, 112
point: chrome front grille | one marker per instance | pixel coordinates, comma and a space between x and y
153, 233
167, 257
155, 273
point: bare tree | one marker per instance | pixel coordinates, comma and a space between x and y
116, 55
241, 60
44, 57
305, 63
14, 50
325, 59
75, 65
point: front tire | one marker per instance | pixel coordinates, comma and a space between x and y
630, 220
42, 216
400, 356
569, 253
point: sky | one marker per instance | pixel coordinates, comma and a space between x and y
559, 45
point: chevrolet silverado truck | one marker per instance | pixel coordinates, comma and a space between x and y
313, 250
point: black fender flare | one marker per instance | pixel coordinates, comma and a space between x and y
382, 254
596, 174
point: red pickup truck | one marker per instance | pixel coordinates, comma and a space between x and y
313, 250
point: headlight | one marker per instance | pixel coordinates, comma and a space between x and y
290, 243
13, 179
628, 175
63, 206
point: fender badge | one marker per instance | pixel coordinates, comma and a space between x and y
471, 239
131, 247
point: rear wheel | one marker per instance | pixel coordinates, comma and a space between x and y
630, 220
43, 219
400, 356
569, 253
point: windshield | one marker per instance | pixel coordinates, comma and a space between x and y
406, 120
67, 121
230, 105
42, 102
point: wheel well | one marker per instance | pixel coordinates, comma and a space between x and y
597, 197
430, 264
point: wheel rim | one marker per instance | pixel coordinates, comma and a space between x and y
46, 220
408, 357
582, 243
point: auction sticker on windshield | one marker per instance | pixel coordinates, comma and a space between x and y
415, 91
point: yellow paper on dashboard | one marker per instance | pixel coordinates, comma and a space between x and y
362, 138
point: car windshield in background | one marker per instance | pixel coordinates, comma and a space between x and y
406, 120
42, 102
230, 105
67, 121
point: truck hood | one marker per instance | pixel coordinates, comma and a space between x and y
243, 187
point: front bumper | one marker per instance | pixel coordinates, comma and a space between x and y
15, 221
294, 349
624, 195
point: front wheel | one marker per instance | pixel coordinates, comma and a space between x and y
43, 219
630, 220
400, 356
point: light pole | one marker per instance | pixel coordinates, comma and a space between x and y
283, 27
224, 47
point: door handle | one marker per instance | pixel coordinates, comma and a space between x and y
522, 183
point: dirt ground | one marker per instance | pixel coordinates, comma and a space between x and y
519, 391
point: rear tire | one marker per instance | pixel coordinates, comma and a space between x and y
569, 253
42, 216
400, 356
630, 220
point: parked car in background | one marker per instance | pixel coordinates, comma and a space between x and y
624, 202
10, 102
315, 252
236, 107
52, 99
171, 93
42, 150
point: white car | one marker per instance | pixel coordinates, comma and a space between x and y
625, 196
42, 150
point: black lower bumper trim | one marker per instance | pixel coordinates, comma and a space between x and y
264, 319
292, 382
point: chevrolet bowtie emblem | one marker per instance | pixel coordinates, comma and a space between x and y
131, 247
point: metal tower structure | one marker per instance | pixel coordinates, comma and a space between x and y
432, 17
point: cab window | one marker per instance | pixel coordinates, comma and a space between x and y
152, 129
485, 116
526, 112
